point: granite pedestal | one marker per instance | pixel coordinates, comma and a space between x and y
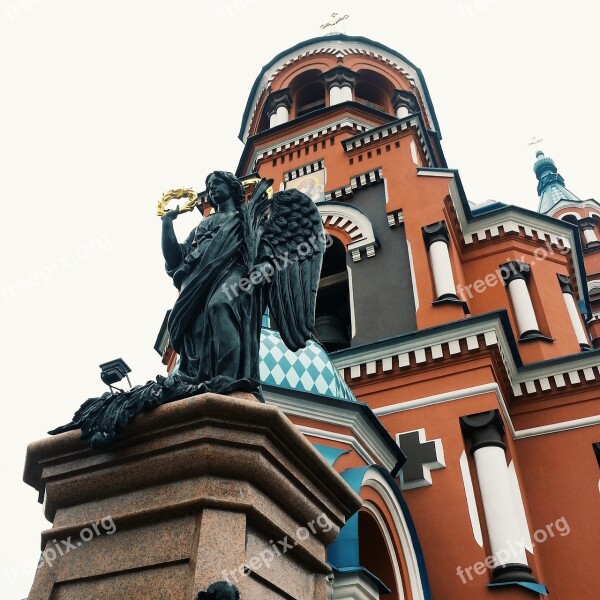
204, 489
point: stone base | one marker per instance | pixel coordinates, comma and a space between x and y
205, 489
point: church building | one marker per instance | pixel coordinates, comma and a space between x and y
443, 422
459, 391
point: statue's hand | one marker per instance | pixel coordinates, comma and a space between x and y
170, 215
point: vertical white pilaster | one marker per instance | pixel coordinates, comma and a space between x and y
515, 275
590, 236
500, 514
442, 269
502, 517
437, 241
523, 307
283, 114
574, 316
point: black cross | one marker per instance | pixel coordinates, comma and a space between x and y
422, 457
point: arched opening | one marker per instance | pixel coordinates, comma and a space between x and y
374, 553
310, 97
308, 92
374, 90
333, 320
569, 218
263, 124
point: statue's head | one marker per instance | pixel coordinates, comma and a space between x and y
233, 183
220, 591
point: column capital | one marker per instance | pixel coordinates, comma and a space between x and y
565, 284
483, 429
514, 269
436, 232
277, 99
587, 223
402, 98
340, 77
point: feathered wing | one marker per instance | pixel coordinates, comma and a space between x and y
295, 234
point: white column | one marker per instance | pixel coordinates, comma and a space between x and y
567, 292
283, 114
346, 93
590, 236
500, 514
576, 320
442, 269
335, 96
402, 111
522, 305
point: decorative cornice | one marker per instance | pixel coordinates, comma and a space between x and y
312, 167
356, 183
307, 137
450, 341
377, 134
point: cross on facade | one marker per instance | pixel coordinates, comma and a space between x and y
422, 457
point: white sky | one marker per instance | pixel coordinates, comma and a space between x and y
105, 105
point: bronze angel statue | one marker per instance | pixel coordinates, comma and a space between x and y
238, 260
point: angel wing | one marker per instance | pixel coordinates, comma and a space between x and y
294, 231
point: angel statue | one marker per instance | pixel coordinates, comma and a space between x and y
234, 263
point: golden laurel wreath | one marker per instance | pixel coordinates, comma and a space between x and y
189, 193
192, 196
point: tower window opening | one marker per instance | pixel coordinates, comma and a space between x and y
310, 97
374, 90
333, 321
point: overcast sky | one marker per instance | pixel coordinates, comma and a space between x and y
106, 105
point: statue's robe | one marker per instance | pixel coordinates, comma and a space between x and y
215, 323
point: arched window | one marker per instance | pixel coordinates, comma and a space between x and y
374, 90
333, 321
310, 97
308, 92
374, 553
570, 218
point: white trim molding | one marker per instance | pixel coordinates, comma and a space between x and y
354, 222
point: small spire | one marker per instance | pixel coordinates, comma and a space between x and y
551, 187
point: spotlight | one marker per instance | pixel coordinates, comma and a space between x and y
114, 371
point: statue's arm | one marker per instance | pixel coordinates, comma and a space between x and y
170, 246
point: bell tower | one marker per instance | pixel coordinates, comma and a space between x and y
345, 120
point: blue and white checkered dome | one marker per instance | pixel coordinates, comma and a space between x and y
307, 370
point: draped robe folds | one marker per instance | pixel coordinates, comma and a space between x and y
215, 325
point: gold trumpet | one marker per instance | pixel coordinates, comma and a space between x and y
188, 193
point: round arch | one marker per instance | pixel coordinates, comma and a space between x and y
353, 225
375, 479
